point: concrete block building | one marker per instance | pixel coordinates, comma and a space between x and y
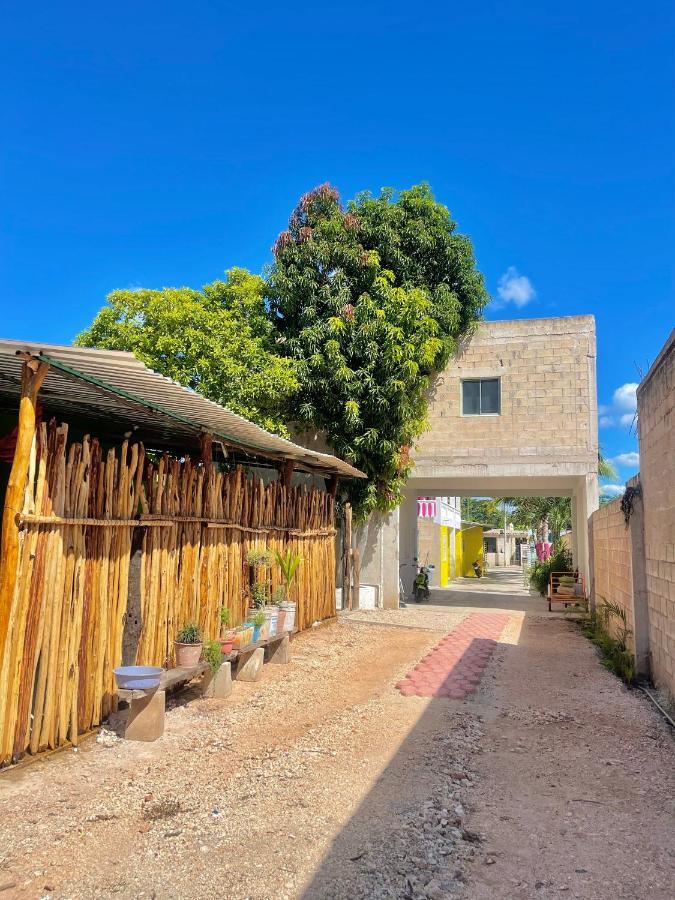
513, 414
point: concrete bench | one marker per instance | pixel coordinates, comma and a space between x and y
145, 721
248, 661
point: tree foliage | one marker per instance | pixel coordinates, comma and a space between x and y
219, 341
541, 514
483, 511
369, 302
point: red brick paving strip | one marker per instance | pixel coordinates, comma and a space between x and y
455, 666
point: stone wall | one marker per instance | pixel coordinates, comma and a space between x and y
656, 423
612, 562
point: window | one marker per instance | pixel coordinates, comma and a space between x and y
481, 397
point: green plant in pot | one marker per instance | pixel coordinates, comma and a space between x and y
258, 558
226, 634
288, 563
212, 655
259, 593
188, 645
278, 598
258, 623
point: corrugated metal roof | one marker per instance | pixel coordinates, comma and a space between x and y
111, 385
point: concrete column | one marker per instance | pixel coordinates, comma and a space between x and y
587, 503
576, 524
378, 542
639, 572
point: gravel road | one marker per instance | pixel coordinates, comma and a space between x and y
323, 781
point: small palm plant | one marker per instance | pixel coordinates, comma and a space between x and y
288, 563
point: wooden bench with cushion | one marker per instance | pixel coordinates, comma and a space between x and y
567, 588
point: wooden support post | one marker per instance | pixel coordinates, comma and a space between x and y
356, 578
206, 441
332, 486
347, 558
33, 373
286, 473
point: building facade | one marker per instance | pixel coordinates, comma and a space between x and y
513, 414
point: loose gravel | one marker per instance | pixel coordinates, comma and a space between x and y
323, 781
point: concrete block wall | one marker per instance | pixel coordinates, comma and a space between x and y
612, 562
548, 398
656, 424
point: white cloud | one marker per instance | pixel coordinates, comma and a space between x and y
612, 490
515, 288
632, 459
625, 397
623, 408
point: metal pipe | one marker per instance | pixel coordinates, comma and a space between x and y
656, 703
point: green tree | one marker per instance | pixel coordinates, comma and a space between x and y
370, 302
482, 510
541, 514
219, 341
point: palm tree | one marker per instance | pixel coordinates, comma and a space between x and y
605, 467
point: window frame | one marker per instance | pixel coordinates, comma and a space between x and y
480, 380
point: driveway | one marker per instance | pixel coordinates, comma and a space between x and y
325, 780
499, 589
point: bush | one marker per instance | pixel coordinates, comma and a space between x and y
189, 634
260, 593
212, 655
540, 573
616, 656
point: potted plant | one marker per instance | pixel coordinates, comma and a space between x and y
288, 562
212, 655
258, 558
258, 623
226, 635
188, 646
278, 598
259, 595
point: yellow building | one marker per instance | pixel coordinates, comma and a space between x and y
451, 551
471, 540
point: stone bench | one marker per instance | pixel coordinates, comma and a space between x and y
145, 721
248, 661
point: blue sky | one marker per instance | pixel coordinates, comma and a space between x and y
155, 145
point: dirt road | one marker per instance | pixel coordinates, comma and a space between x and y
323, 780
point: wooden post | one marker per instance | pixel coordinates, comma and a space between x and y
332, 486
206, 441
356, 578
347, 558
33, 373
286, 473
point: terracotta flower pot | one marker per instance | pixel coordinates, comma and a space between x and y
187, 655
226, 644
281, 619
